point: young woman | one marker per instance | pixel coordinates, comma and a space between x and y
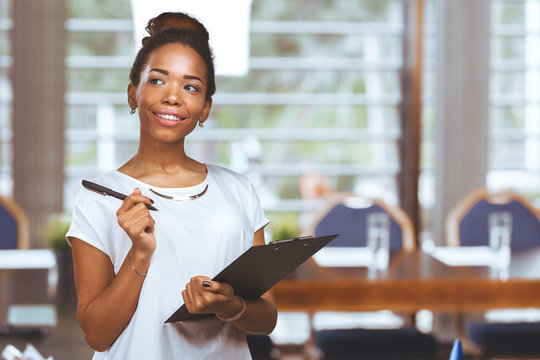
135, 267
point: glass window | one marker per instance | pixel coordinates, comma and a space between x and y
317, 112
6, 131
514, 128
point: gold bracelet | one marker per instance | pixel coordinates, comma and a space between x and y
133, 267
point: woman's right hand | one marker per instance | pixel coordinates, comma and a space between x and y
134, 217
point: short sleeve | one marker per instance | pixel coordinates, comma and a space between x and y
89, 221
259, 217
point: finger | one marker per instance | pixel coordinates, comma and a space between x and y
191, 298
133, 199
137, 218
187, 301
136, 213
222, 288
196, 288
144, 224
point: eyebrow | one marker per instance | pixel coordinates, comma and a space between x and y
164, 72
188, 77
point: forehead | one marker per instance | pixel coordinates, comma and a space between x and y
176, 58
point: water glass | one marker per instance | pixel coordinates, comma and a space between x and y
378, 240
500, 233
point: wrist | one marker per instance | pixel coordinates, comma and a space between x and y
235, 315
140, 254
138, 261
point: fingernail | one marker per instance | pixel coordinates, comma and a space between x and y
206, 283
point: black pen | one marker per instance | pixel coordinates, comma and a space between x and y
106, 191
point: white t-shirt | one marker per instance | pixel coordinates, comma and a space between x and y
194, 237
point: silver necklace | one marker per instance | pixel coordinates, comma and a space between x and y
181, 198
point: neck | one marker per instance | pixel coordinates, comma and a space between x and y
158, 157
164, 164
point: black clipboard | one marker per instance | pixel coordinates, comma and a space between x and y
261, 267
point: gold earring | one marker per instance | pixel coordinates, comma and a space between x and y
132, 111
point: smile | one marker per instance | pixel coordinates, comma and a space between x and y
169, 117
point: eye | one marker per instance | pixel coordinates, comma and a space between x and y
190, 87
157, 81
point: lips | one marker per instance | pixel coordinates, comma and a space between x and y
168, 118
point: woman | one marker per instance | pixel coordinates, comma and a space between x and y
134, 268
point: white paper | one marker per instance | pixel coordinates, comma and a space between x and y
343, 256
465, 255
226, 21
27, 259
30, 353
11, 353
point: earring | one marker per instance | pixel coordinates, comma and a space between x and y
132, 111
201, 124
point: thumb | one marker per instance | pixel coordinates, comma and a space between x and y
137, 191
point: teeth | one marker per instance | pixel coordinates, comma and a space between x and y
168, 117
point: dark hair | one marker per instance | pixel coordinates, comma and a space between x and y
197, 40
175, 20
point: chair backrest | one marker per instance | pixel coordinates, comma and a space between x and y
346, 215
13, 225
467, 223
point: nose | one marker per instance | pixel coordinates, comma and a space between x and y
171, 97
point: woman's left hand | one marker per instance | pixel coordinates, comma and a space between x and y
202, 295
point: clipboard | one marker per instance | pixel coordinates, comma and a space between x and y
261, 267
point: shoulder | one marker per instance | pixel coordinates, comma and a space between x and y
221, 173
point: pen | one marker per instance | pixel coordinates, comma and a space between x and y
106, 191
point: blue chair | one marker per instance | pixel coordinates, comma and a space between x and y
507, 339
457, 351
13, 225
404, 343
467, 225
347, 217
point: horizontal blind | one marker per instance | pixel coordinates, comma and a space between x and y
321, 97
515, 97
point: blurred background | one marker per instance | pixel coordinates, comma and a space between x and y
416, 102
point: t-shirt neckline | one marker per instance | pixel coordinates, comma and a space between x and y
195, 188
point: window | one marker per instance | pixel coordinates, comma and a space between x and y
6, 133
318, 109
514, 160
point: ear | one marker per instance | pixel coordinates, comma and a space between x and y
206, 110
131, 93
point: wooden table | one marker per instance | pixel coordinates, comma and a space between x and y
414, 281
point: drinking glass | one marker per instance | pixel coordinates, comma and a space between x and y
378, 241
500, 233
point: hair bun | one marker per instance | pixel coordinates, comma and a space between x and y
175, 20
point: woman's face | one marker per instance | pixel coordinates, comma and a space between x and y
171, 95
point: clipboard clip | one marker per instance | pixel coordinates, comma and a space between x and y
293, 239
